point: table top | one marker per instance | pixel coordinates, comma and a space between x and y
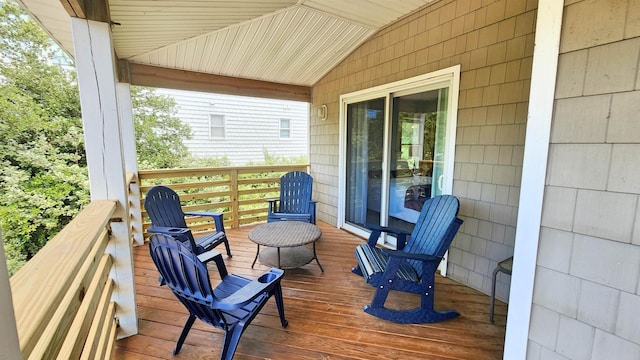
285, 234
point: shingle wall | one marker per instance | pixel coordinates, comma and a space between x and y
587, 286
492, 40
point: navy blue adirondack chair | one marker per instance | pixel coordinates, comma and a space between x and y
295, 201
412, 267
163, 206
230, 306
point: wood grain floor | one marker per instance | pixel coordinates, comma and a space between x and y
324, 311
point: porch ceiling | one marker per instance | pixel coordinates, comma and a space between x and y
282, 41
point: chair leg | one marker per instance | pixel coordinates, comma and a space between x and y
183, 335
226, 246
277, 294
356, 270
231, 340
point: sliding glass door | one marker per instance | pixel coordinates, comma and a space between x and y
397, 144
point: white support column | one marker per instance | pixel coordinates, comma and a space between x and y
130, 158
534, 169
9, 344
95, 64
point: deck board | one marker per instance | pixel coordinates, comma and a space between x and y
324, 311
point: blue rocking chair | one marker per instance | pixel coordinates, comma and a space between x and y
295, 199
412, 267
163, 206
230, 306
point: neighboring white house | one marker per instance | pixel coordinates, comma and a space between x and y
242, 128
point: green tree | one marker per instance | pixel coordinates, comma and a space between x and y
43, 175
159, 133
43, 169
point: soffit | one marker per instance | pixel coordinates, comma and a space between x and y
282, 41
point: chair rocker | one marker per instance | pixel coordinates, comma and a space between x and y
295, 199
163, 206
230, 306
412, 267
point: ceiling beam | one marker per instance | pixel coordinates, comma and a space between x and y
97, 10
153, 76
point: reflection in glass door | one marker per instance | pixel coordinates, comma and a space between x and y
418, 129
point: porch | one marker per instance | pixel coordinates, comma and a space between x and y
325, 314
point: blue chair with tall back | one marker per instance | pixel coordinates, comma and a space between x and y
165, 211
230, 306
412, 267
295, 201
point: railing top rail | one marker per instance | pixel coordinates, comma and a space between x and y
40, 285
151, 173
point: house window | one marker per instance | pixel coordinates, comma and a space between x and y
285, 128
216, 126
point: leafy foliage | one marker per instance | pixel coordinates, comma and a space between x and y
43, 174
159, 132
43, 166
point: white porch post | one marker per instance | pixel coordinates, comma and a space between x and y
130, 158
95, 64
534, 169
9, 344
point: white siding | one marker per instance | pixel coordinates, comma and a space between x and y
252, 125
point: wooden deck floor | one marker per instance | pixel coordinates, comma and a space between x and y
324, 311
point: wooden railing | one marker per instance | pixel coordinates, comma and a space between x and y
62, 296
238, 192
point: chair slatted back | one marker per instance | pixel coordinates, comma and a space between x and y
436, 219
163, 206
295, 192
186, 276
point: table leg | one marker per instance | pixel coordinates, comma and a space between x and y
279, 267
315, 255
256, 258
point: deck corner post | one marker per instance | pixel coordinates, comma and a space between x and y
97, 79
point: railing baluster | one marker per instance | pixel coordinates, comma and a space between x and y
241, 188
234, 208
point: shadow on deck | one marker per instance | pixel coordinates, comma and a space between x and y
325, 314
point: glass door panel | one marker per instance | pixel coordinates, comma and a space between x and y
439, 143
364, 162
418, 128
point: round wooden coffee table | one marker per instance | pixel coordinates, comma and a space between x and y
285, 244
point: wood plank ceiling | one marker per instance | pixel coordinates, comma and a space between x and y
282, 41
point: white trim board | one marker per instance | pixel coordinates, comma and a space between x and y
536, 148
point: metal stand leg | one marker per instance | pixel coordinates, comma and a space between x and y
504, 266
256, 258
493, 293
315, 255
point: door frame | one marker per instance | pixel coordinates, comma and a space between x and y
449, 77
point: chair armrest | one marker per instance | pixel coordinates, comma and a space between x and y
272, 207
312, 209
207, 256
203, 213
217, 218
182, 234
253, 289
377, 230
411, 256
